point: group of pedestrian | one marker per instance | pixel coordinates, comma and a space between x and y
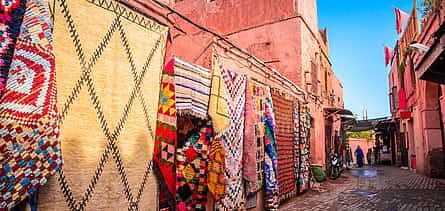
359, 156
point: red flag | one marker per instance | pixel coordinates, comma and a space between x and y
402, 99
401, 18
388, 54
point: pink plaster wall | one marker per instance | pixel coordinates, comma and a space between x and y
364, 144
237, 14
338, 92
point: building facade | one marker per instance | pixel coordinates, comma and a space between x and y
416, 99
285, 35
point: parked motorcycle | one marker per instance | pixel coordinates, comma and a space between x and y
336, 166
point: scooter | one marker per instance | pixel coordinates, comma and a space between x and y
336, 166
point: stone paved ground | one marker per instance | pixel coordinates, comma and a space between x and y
381, 188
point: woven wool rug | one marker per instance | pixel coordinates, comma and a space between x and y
270, 159
10, 22
232, 139
216, 169
285, 140
297, 127
218, 110
304, 145
250, 145
191, 171
192, 89
165, 142
29, 144
254, 135
109, 61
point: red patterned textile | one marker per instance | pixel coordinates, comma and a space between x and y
29, 129
285, 140
191, 171
165, 142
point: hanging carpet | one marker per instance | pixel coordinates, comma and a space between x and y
270, 159
232, 139
304, 145
29, 145
254, 136
285, 141
216, 170
250, 145
10, 21
165, 141
297, 132
218, 109
191, 171
192, 89
109, 61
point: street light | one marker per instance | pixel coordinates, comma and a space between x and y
419, 48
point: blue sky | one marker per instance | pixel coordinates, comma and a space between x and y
356, 33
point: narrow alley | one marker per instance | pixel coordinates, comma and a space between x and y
376, 188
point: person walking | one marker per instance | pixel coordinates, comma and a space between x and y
359, 154
348, 157
368, 157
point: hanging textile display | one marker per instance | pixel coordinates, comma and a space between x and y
216, 170
270, 159
191, 172
254, 136
10, 21
284, 134
297, 127
304, 165
30, 149
109, 62
165, 142
218, 109
232, 139
192, 89
250, 146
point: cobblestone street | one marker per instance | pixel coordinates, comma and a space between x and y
381, 188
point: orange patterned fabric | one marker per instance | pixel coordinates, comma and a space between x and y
215, 170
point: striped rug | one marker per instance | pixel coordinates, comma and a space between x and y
284, 134
192, 89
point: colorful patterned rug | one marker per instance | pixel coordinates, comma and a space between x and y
232, 139
297, 130
191, 171
250, 145
270, 160
11, 17
304, 167
216, 170
165, 142
285, 140
192, 84
254, 136
30, 148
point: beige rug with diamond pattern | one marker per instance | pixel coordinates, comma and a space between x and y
108, 70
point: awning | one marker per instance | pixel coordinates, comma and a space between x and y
339, 111
432, 65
